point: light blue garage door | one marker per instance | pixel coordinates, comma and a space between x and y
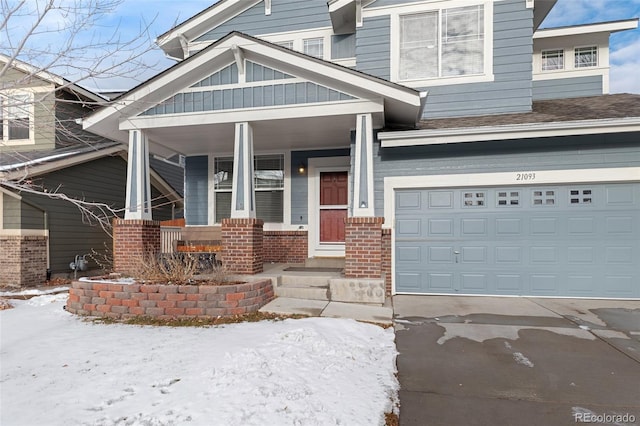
575, 240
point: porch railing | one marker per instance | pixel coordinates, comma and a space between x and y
169, 235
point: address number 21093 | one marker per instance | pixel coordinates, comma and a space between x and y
529, 176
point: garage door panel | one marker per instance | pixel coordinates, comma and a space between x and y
475, 227
409, 200
440, 227
571, 240
508, 227
474, 255
580, 255
438, 282
441, 254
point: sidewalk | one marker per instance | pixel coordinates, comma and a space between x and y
323, 308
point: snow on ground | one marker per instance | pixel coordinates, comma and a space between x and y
33, 291
56, 369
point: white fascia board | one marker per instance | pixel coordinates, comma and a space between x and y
63, 162
338, 4
604, 27
321, 70
216, 16
324, 109
516, 131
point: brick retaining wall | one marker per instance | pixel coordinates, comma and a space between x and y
124, 301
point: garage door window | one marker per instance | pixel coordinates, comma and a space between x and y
508, 198
474, 199
544, 198
580, 196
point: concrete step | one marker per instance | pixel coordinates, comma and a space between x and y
304, 281
303, 292
324, 262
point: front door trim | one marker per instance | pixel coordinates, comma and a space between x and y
315, 167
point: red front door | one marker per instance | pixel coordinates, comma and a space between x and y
334, 192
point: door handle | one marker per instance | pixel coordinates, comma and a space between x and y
456, 252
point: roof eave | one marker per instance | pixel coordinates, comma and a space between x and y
508, 132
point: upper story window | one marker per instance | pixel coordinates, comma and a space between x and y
442, 43
586, 57
15, 121
288, 44
314, 47
552, 60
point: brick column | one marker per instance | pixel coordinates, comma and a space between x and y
133, 239
23, 261
363, 247
242, 243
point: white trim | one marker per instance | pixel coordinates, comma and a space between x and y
542, 177
24, 233
2, 191
319, 109
423, 7
286, 208
603, 27
314, 167
368, 210
514, 131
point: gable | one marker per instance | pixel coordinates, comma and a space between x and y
263, 86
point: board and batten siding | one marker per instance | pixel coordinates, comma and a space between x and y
196, 172
567, 87
286, 15
559, 153
299, 187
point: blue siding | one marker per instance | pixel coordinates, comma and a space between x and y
227, 75
248, 97
196, 190
299, 185
512, 56
568, 152
286, 15
343, 46
567, 87
373, 47
257, 72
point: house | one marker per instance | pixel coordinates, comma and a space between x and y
44, 149
448, 147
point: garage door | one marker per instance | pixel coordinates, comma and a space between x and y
581, 240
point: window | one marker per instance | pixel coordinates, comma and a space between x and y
552, 60
314, 47
15, 111
474, 199
586, 57
268, 183
442, 43
288, 44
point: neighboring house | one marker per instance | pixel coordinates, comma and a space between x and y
451, 147
43, 146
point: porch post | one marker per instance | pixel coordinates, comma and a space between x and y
242, 234
363, 231
137, 235
243, 200
138, 199
363, 168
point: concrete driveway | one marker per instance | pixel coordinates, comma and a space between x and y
517, 361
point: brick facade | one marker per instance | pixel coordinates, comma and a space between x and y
242, 240
285, 246
125, 301
386, 259
132, 241
363, 247
23, 261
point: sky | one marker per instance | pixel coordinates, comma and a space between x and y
161, 15
307, 372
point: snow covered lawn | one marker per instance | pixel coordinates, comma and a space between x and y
56, 369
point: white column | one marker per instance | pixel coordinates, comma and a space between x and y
363, 168
138, 199
243, 201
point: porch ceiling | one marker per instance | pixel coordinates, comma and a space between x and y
283, 134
